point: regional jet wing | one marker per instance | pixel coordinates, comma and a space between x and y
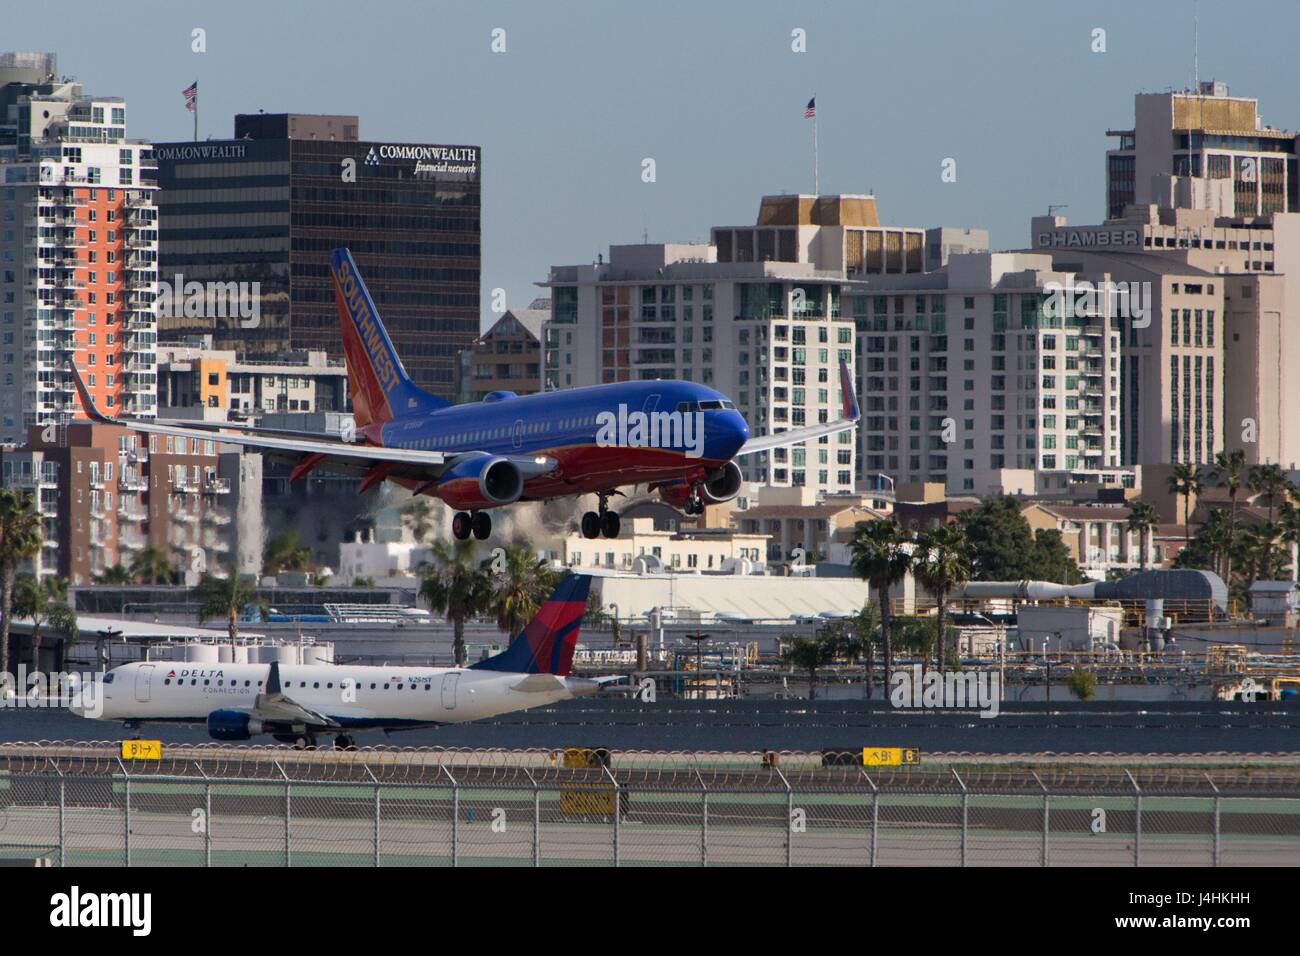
796, 435
273, 705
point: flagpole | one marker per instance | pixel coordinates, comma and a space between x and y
196, 111
816, 169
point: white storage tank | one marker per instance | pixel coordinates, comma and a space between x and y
200, 653
318, 654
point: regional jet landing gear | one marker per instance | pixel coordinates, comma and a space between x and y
605, 523
479, 523
344, 742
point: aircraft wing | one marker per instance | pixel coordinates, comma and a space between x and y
274, 705
323, 452
794, 436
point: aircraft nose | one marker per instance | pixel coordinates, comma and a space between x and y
727, 433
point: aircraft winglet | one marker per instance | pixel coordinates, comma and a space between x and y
848, 393
87, 403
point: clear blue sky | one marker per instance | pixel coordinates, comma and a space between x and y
709, 88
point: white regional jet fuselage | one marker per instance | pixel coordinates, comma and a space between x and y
295, 702
355, 697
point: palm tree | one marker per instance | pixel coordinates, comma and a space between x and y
1260, 546
226, 596
811, 654
1269, 480
520, 584
285, 553
45, 601
1186, 480
882, 556
151, 566
865, 625
454, 585
1228, 469
1218, 539
115, 574
942, 560
1142, 520
418, 516
1289, 521
20, 541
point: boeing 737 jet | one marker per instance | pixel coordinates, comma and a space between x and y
678, 438
295, 703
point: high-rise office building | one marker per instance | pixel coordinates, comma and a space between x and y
265, 208
78, 250
1202, 147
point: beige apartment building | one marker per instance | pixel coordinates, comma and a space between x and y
757, 313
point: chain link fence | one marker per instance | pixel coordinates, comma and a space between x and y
71, 805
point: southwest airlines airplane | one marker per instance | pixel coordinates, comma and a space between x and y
678, 438
295, 703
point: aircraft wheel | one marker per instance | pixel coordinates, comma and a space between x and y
591, 525
344, 742
609, 524
305, 742
482, 524
460, 526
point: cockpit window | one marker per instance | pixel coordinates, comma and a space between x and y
108, 678
712, 405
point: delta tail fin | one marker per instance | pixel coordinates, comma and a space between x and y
546, 644
380, 388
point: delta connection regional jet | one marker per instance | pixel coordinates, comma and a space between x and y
294, 703
679, 438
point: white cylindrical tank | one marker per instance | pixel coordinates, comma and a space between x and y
200, 653
317, 654
289, 654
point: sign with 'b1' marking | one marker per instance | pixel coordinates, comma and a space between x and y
890, 756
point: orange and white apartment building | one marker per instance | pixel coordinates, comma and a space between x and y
78, 251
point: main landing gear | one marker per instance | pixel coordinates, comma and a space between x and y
602, 524
694, 504
465, 523
344, 742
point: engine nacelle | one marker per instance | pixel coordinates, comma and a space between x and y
481, 481
723, 484
233, 725
719, 485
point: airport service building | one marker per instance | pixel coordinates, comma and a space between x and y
267, 206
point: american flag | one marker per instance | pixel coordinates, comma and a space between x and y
191, 94
811, 109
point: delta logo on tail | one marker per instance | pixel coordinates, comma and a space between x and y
546, 644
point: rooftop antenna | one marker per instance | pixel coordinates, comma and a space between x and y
1196, 48
1051, 209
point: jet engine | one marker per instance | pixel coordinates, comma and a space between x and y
232, 725
481, 481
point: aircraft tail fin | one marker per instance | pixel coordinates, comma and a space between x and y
380, 388
547, 642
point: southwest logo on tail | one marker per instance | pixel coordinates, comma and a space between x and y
546, 644
381, 389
